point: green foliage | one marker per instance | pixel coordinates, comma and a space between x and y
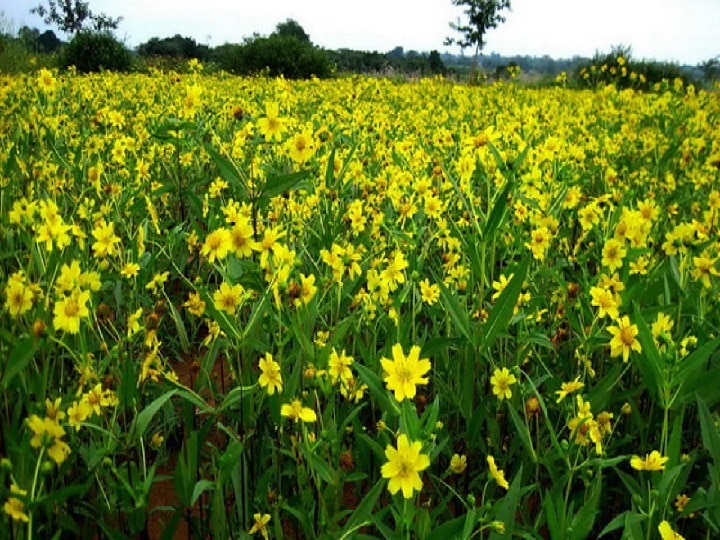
74, 16
482, 15
176, 47
90, 52
276, 55
619, 68
291, 28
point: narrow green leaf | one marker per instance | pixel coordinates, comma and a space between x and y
648, 361
228, 171
142, 420
363, 512
551, 516
452, 306
695, 361
277, 185
502, 311
522, 430
200, 487
20, 356
710, 436
377, 390
507, 508
583, 521
498, 212
620, 521
319, 465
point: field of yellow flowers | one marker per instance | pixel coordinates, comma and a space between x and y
357, 308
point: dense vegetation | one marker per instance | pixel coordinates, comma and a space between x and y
238, 306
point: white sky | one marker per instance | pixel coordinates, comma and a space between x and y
679, 30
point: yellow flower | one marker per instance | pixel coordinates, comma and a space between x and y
260, 525
458, 463
270, 376
14, 507
18, 298
568, 388
48, 434
78, 412
228, 298
606, 302
271, 126
624, 339
130, 270
307, 290
681, 502
404, 465
157, 281
105, 240
539, 242
652, 462
403, 373
195, 304
667, 533
612, 254
301, 147
497, 474
46, 81
339, 367
241, 238
429, 292
501, 381
69, 310
217, 245
295, 411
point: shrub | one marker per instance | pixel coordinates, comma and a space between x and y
276, 55
96, 52
619, 68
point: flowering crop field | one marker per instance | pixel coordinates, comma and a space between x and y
357, 308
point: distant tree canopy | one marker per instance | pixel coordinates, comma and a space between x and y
482, 15
175, 47
291, 28
74, 16
35, 42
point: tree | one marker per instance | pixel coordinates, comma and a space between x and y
291, 28
72, 16
711, 69
482, 15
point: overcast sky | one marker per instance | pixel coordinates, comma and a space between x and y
678, 30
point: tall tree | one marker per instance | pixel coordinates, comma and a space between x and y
72, 16
482, 15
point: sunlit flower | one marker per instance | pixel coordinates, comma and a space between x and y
667, 532
14, 507
404, 373
653, 461
458, 463
497, 474
624, 339
501, 382
296, 411
68, 311
568, 388
270, 377
260, 525
404, 464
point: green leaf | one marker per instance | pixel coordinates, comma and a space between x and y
498, 212
710, 436
362, 514
319, 465
502, 311
452, 306
583, 521
522, 430
377, 390
508, 506
228, 171
277, 185
694, 362
200, 487
551, 516
142, 420
648, 361
621, 520
20, 356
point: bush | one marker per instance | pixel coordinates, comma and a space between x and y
96, 52
277, 55
619, 68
